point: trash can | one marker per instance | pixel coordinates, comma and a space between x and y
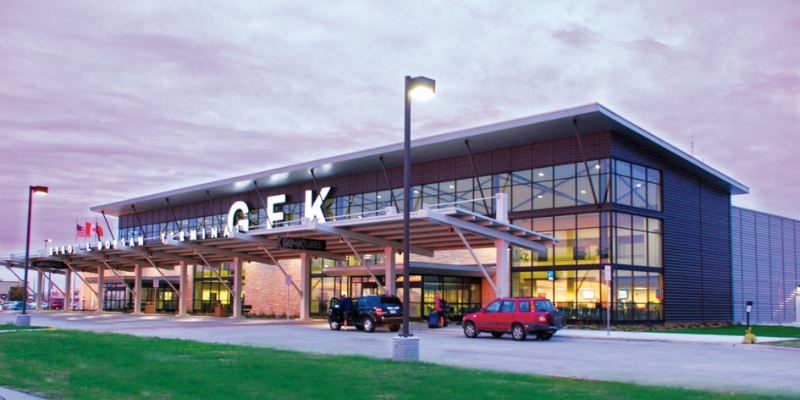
220, 311
150, 308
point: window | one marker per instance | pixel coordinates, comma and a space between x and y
508, 306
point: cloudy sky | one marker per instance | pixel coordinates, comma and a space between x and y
102, 101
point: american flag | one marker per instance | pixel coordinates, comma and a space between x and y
81, 231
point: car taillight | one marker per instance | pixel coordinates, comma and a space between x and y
378, 311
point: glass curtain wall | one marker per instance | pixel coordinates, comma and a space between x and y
569, 272
210, 291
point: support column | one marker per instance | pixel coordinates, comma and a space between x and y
137, 289
101, 290
68, 291
391, 271
237, 287
189, 300
305, 286
182, 297
39, 288
503, 270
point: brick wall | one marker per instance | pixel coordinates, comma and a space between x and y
265, 289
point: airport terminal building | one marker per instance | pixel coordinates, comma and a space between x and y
540, 206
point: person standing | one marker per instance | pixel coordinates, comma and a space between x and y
437, 307
347, 309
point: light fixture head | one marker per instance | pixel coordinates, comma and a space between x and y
421, 88
39, 189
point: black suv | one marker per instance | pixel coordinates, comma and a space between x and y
368, 312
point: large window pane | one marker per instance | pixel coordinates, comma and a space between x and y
522, 284
590, 294
584, 194
654, 196
565, 248
623, 295
564, 285
654, 250
639, 194
622, 189
622, 168
543, 174
624, 247
564, 171
588, 249
639, 239
640, 294
564, 192
521, 198
542, 195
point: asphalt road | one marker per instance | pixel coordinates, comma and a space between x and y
717, 363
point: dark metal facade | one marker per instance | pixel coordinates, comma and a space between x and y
766, 256
697, 241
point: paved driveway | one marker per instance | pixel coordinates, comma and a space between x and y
717, 363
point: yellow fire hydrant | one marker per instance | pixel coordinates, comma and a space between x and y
749, 337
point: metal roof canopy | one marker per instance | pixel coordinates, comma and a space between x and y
555, 125
432, 229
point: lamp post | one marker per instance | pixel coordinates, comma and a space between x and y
24, 319
49, 275
419, 87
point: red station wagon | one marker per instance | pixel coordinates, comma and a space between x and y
518, 316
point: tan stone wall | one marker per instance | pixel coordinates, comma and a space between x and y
265, 288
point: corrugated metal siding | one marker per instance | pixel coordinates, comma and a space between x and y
767, 271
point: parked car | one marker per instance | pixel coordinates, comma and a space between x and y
369, 312
57, 304
18, 306
9, 305
518, 316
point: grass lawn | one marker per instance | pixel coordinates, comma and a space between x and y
740, 330
61, 364
13, 327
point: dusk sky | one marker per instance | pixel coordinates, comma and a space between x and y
103, 101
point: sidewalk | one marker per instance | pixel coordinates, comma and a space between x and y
663, 337
8, 394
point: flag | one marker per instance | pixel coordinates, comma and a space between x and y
81, 231
97, 229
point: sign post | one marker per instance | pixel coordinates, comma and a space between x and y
288, 283
608, 299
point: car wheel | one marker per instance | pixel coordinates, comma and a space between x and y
518, 332
497, 334
545, 336
469, 330
334, 325
394, 327
369, 325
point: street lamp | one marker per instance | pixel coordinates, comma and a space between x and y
25, 319
421, 88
